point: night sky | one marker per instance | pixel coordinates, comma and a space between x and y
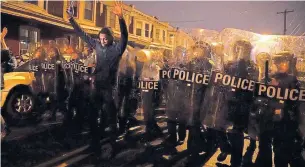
259, 17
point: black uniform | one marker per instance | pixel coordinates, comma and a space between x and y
78, 97
196, 98
287, 140
262, 120
239, 107
59, 93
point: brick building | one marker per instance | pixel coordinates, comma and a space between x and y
31, 23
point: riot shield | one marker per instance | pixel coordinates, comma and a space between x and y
260, 118
300, 67
198, 63
175, 90
240, 101
37, 65
270, 44
80, 89
125, 80
150, 97
214, 112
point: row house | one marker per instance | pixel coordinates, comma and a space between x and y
36, 22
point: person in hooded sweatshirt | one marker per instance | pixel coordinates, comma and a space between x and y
108, 55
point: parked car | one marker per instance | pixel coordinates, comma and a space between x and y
17, 97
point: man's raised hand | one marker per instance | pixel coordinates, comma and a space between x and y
70, 10
3, 33
118, 9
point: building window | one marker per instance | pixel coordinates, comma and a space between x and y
171, 39
131, 25
163, 35
139, 28
28, 36
54, 6
147, 30
32, 2
89, 10
45, 4
75, 8
112, 20
158, 33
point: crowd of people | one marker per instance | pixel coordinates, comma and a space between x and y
227, 114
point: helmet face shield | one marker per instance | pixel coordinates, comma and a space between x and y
282, 62
242, 50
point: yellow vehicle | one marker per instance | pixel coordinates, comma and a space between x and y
17, 97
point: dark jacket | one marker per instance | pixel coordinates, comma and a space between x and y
290, 109
108, 58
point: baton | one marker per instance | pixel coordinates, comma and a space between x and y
266, 72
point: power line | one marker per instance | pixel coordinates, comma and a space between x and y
293, 19
285, 16
297, 31
292, 32
185, 21
297, 28
296, 15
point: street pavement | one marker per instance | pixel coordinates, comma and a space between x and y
50, 144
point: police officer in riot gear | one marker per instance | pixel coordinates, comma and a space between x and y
215, 111
200, 62
126, 78
287, 142
78, 97
260, 121
241, 100
177, 109
108, 55
60, 76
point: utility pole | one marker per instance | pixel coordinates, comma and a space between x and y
285, 14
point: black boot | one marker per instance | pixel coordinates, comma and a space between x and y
223, 144
122, 125
153, 130
237, 141
171, 140
181, 133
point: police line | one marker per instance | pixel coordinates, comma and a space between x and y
217, 78
46, 66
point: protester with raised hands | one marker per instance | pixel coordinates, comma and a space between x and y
108, 55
